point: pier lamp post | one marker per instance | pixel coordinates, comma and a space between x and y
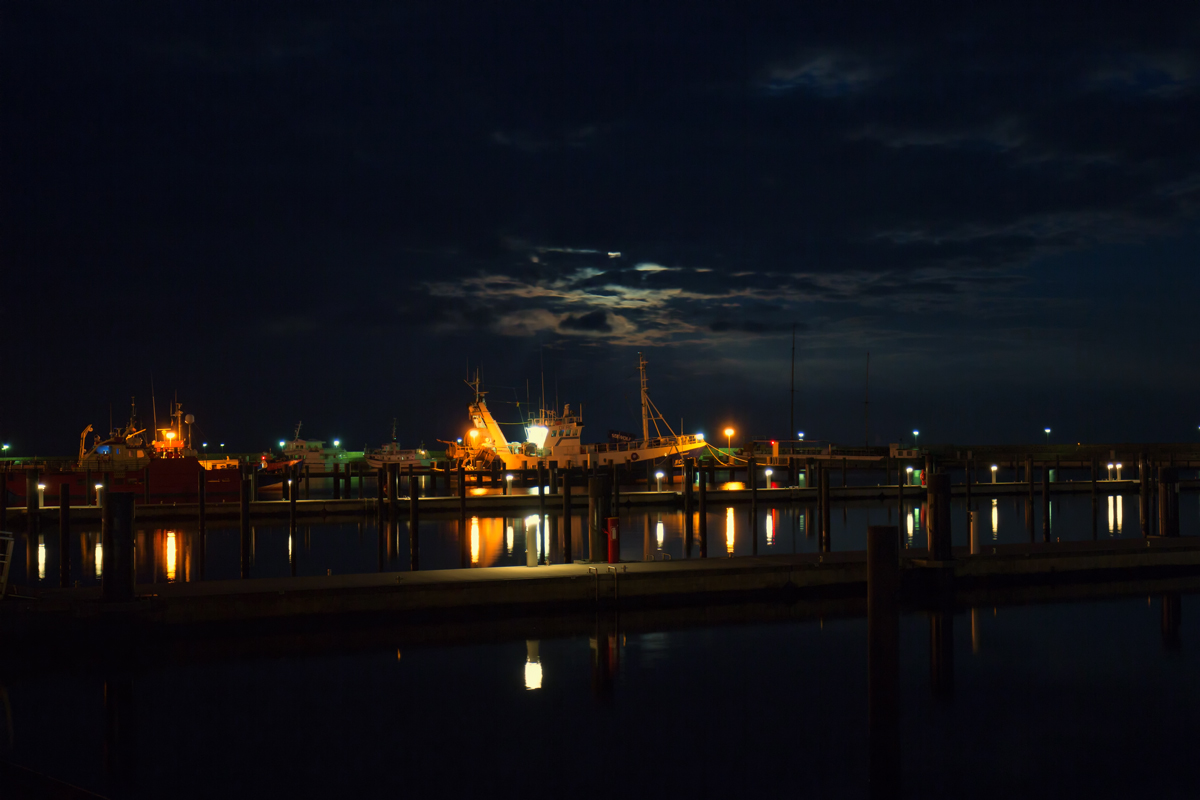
41, 495
768, 472
1047, 436
800, 435
99, 486
659, 475
5, 448
508, 483
908, 480
994, 468
728, 443
916, 433
1110, 468
282, 444
337, 442
1118, 471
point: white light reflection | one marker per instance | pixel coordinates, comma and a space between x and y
99, 559
659, 532
1120, 514
995, 520
533, 665
170, 556
508, 540
729, 531
474, 540
1112, 515
41, 558
909, 522
770, 530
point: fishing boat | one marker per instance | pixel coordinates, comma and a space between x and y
551, 435
392, 453
159, 469
312, 453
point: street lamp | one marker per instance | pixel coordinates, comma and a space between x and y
659, 475
801, 435
508, 483
909, 471
281, 445
1110, 469
337, 443
915, 435
1118, 471
768, 472
728, 438
4, 447
994, 468
1047, 436
99, 486
41, 494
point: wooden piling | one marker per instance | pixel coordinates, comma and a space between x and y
938, 523
553, 477
1045, 503
244, 520
1143, 495
307, 482
414, 522
689, 533
752, 479
597, 497
703, 512
566, 516
394, 490
337, 481
31, 501
64, 532
1168, 502
380, 492
116, 534
201, 523
4, 502
825, 544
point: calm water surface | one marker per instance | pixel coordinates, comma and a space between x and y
1075, 700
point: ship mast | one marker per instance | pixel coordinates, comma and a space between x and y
645, 399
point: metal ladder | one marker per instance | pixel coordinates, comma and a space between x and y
6, 550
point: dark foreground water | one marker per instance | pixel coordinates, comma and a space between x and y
1053, 701
168, 554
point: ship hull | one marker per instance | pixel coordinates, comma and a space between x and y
171, 480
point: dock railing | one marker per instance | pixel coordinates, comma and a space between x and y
6, 550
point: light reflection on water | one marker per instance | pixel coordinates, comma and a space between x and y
729, 530
171, 556
530, 541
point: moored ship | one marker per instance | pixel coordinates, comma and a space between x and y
161, 469
554, 436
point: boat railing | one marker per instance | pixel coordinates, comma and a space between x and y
644, 444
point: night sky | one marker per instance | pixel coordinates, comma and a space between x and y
328, 212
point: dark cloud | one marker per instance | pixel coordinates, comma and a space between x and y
592, 322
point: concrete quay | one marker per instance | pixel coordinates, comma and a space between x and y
564, 588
